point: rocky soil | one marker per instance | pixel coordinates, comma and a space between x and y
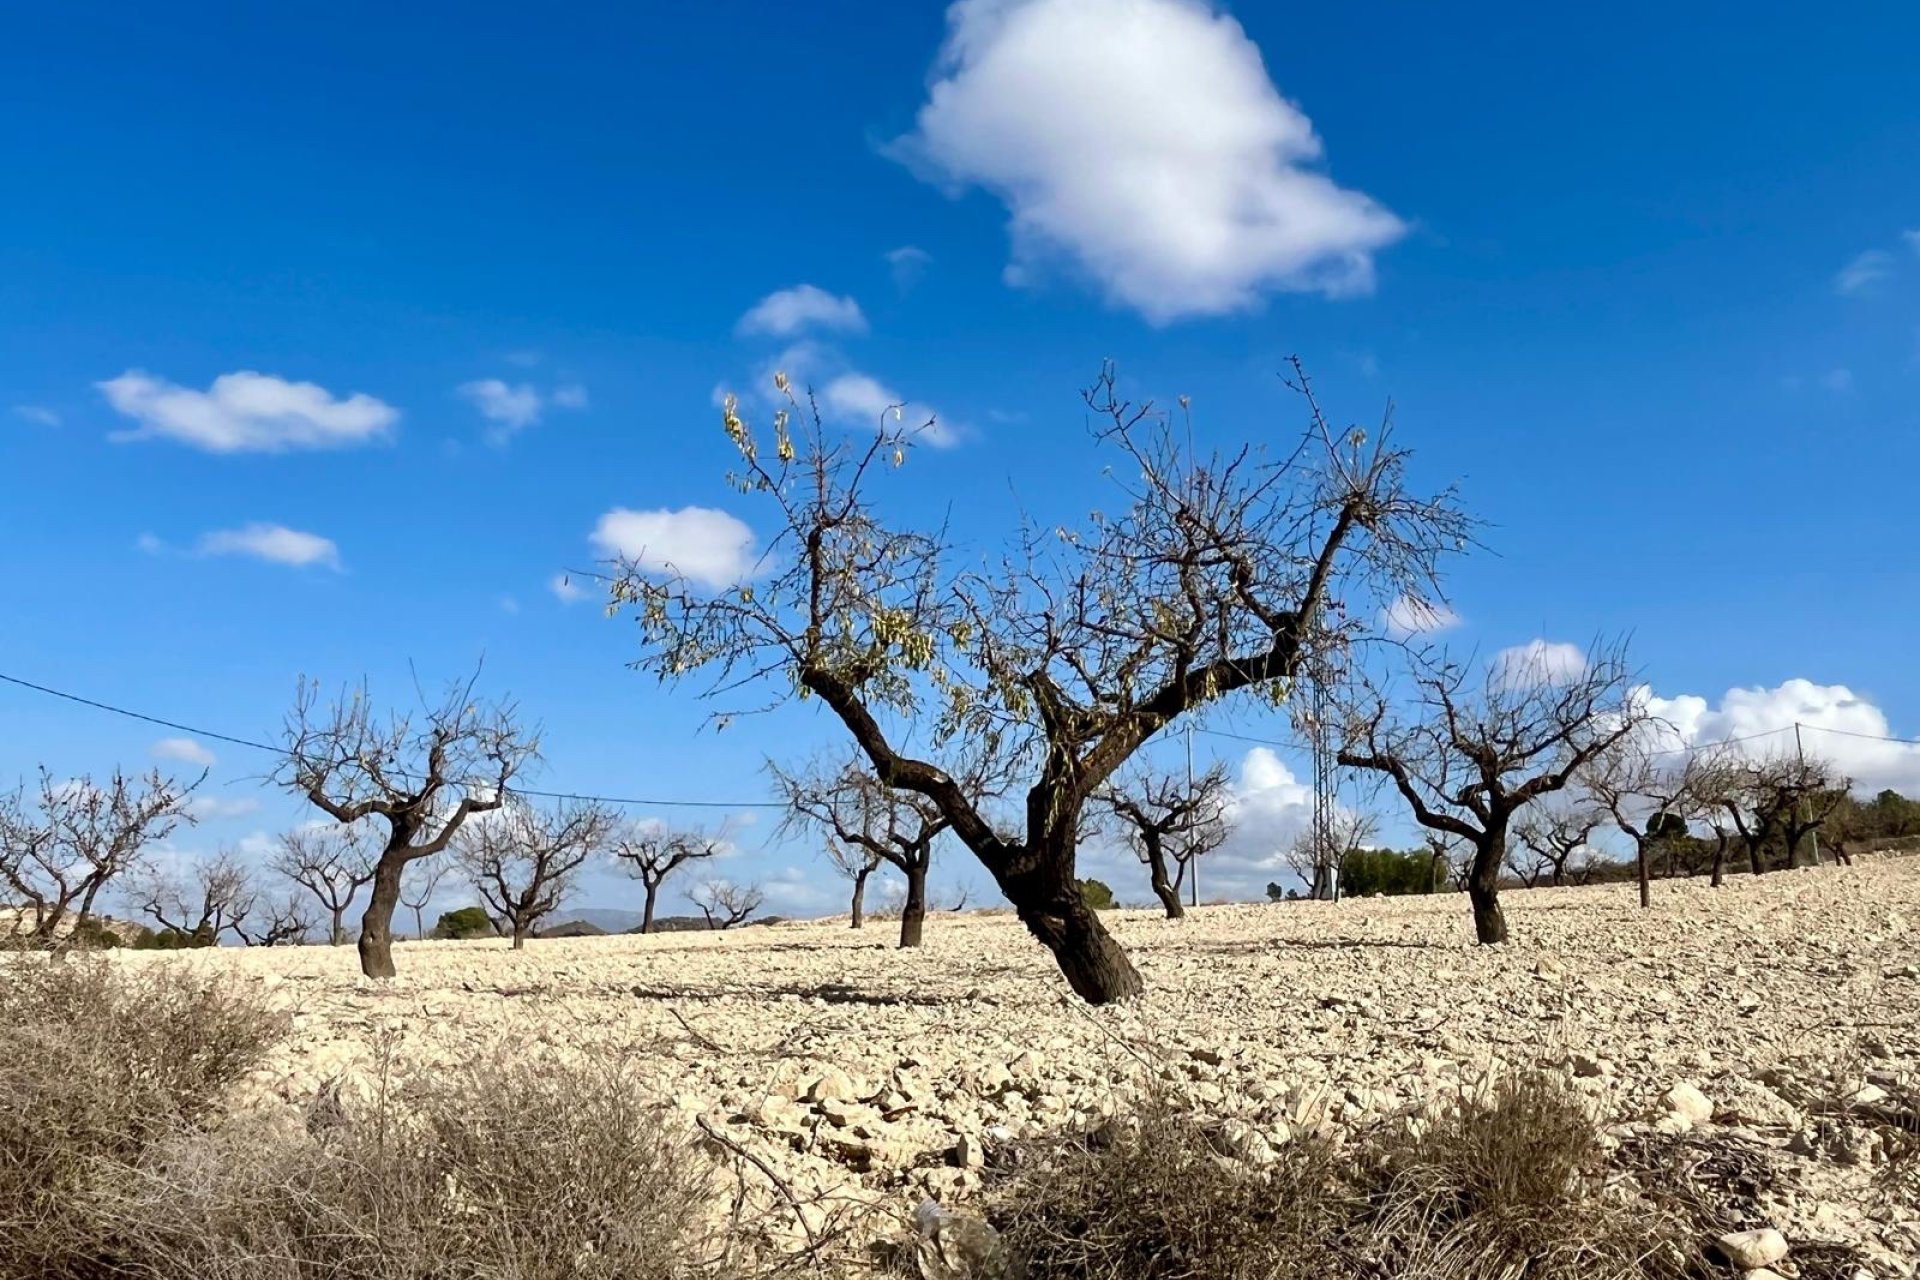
1776, 1022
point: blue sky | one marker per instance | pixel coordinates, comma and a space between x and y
1648, 287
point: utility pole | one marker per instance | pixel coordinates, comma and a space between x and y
1193, 864
1800, 751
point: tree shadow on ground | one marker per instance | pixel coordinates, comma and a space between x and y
829, 992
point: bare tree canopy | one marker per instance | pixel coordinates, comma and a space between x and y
651, 851
277, 922
199, 903
523, 860
1319, 857
1772, 801
1551, 832
1638, 785
1467, 754
726, 904
331, 863
1169, 822
1214, 576
64, 843
867, 822
418, 886
419, 776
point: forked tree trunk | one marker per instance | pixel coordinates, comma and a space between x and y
1048, 901
376, 926
646, 912
913, 912
1483, 891
860, 896
1163, 888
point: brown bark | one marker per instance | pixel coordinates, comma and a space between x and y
913, 912
376, 926
1719, 861
859, 909
1483, 890
1050, 904
646, 912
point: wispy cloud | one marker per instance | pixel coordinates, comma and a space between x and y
1864, 272
513, 407
909, 263
182, 750
789, 311
272, 543
1407, 616
39, 415
565, 589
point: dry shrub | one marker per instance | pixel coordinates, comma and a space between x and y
504, 1171
1510, 1184
121, 1160
96, 1066
1152, 1200
1507, 1186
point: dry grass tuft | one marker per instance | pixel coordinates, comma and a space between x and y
1508, 1186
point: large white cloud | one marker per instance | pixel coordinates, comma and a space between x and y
707, 547
183, 750
273, 543
1267, 810
789, 311
247, 412
1142, 142
1836, 724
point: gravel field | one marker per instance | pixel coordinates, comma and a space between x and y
869, 1078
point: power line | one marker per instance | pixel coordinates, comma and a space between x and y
199, 732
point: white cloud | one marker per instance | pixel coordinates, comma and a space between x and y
850, 398
909, 263
247, 412
1143, 142
208, 808
1865, 271
1267, 808
523, 359
184, 750
274, 543
570, 395
788, 311
1539, 662
565, 589
511, 408
509, 605
709, 548
1407, 616
150, 544
1838, 725
37, 414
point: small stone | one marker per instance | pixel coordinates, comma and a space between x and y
967, 1153
1210, 1056
1689, 1104
1752, 1250
1589, 1068
832, 1083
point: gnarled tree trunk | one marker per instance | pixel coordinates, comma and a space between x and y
1163, 888
1483, 890
646, 911
376, 926
859, 909
913, 912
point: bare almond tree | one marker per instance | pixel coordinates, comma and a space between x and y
726, 904
1318, 857
331, 863
524, 860
61, 846
651, 851
197, 904
1552, 832
866, 820
277, 922
1775, 800
418, 887
420, 776
1213, 576
1468, 754
1170, 821
1638, 787
856, 865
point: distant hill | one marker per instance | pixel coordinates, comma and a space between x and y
573, 929
608, 919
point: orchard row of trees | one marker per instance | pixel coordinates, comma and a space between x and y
1006, 706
